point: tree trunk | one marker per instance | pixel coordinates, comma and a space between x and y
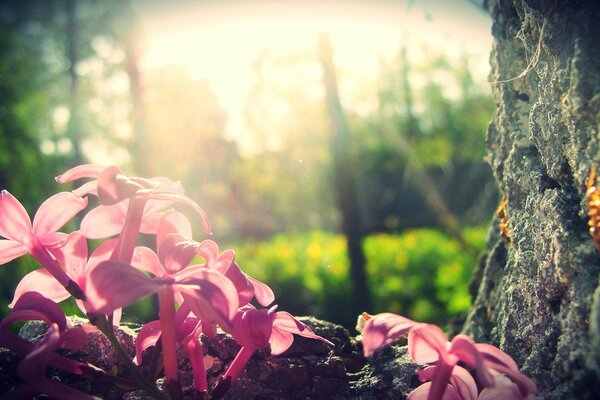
74, 125
537, 295
345, 182
132, 56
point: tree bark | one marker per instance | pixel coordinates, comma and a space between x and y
537, 297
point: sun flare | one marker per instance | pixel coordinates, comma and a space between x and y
218, 42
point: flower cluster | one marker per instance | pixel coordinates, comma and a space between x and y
194, 297
488, 372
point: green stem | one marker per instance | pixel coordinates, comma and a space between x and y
107, 329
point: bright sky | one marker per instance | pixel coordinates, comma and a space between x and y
217, 40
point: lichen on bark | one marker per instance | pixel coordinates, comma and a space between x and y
538, 297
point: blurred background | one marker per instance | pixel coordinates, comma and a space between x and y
337, 146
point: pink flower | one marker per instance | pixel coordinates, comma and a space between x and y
254, 329
461, 385
41, 237
114, 190
38, 356
209, 294
73, 255
113, 285
503, 388
382, 329
494, 370
188, 330
247, 287
177, 250
428, 344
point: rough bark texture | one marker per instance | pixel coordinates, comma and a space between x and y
538, 298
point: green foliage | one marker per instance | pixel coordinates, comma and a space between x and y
307, 271
422, 273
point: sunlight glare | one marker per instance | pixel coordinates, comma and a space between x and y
219, 43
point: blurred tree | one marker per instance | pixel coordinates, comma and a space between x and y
285, 178
424, 167
25, 111
53, 62
344, 181
184, 140
74, 126
418, 148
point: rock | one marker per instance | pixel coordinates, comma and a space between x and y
308, 370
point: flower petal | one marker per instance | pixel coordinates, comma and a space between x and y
145, 259
112, 285
73, 256
280, 341
43, 282
180, 198
87, 188
34, 306
33, 366
80, 171
426, 343
422, 393
100, 253
146, 337
57, 211
464, 383
104, 221
211, 296
383, 329
284, 325
252, 328
263, 293
524, 383
53, 241
209, 249
111, 189
494, 354
176, 253
172, 222
503, 389
14, 220
189, 330
464, 348
10, 249
240, 281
